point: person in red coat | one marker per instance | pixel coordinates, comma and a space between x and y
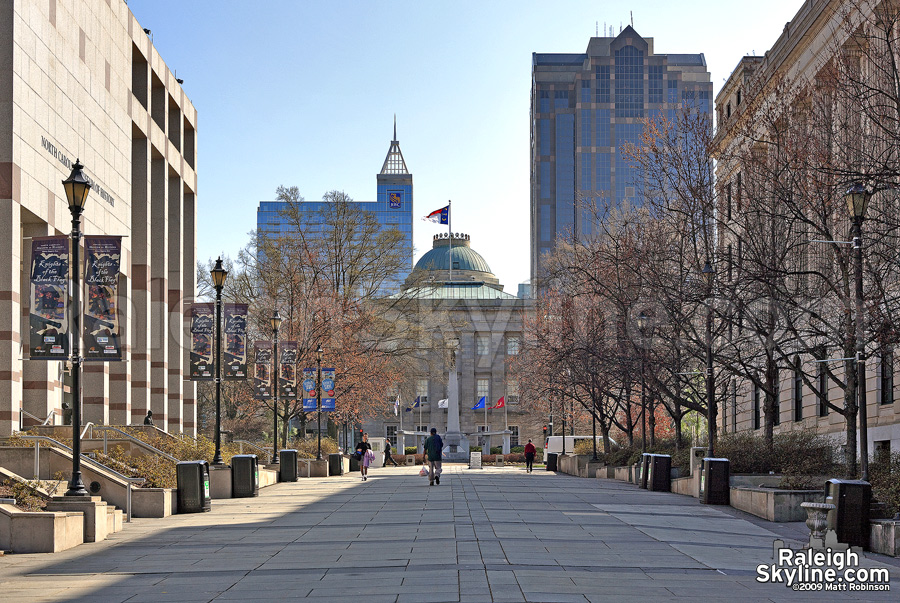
529, 456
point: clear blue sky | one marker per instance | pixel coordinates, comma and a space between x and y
304, 93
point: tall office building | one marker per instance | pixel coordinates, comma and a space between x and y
584, 108
392, 207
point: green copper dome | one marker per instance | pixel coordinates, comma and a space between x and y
464, 258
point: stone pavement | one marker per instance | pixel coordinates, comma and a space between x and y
497, 534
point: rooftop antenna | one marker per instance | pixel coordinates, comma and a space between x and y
596, 29
395, 127
631, 12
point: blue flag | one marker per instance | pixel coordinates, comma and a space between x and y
416, 405
480, 403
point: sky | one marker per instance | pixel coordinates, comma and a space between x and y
304, 93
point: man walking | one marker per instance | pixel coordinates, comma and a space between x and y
387, 454
529, 456
434, 447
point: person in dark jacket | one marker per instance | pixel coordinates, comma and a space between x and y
387, 454
529, 456
364, 450
148, 420
434, 447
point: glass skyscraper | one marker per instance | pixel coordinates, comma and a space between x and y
392, 207
584, 108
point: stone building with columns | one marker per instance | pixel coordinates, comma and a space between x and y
82, 79
461, 300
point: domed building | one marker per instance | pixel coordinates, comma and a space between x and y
461, 303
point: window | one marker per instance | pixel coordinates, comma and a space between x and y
482, 345
512, 345
887, 376
756, 422
512, 392
585, 91
483, 390
544, 137
629, 82
422, 390
514, 436
422, 428
602, 73
798, 390
390, 433
656, 83
560, 99
544, 101
602, 125
585, 127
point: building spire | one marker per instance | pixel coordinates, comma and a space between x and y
394, 163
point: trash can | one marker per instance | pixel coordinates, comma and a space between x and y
287, 465
192, 478
660, 476
715, 488
645, 469
244, 475
354, 464
335, 464
849, 519
551, 461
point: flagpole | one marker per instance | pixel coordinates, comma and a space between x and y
450, 234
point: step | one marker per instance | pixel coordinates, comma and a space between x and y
115, 519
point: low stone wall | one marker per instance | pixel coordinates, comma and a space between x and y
774, 505
153, 502
39, 532
623, 474
885, 537
685, 485
267, 477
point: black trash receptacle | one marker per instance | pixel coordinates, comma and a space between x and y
244, 475
645, 469
335, 464
287, 465
551, 461
192, 479
354, 464
660, 476
715, 488
849, 519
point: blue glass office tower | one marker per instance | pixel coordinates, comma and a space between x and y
584, 108
392, 207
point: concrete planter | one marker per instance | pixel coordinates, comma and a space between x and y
774, 505
318, 468
39, 532
623, 474
885, 537
267, 477
153, 502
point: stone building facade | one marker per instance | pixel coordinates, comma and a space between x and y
81, 79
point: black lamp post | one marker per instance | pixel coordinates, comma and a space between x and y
857, 197
276, 323
77, 187
319, 404
218, 274
642, 322
709, 274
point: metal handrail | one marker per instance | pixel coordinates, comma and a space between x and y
251, 444
105, 429
22, 414
84, 459
50, 416
87, 426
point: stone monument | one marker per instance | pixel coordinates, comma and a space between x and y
456, 444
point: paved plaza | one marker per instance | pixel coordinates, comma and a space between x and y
497, 534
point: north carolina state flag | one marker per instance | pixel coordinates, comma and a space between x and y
500, 403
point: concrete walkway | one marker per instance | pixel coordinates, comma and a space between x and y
497, 534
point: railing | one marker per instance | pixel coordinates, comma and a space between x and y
49, 417
24, 413
87, 426
87, 460
130, 438
240, 443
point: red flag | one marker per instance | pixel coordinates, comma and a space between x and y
500, 403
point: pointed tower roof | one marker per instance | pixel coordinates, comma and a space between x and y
394, 163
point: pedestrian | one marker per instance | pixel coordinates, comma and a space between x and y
365, 455
529, 456
387, 453
148, 420
434, 447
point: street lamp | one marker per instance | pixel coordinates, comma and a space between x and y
77, 187
643, 321
857, 198
218, 274
276, 323
319, 404
709, 275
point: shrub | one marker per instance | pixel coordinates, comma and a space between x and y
515, 449
307, 448
25, 494
474, 448
410, 450
799, 452
884, 475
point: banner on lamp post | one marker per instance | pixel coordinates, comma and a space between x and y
203, 324
103, 256
309, 390
235, 342
287, 377
262, 372
328, 399
49, 319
